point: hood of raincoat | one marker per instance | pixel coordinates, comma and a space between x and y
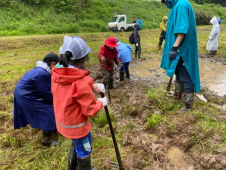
136, 26
67, 75
44, 65
214, 21
164, 19
170, 3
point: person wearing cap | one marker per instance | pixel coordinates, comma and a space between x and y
163, 26
33, 100
180, 53
107, 56
136, 37
124, 55
74, 101
212, 43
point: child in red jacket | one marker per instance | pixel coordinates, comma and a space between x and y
107, 56
74, 101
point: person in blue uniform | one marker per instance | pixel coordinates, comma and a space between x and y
33, 100
124, 55
180, 54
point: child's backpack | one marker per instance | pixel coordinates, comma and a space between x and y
131, 39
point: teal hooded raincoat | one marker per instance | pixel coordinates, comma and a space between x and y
181, 20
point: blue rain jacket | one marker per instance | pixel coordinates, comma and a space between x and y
140, 23
33, 99
124, 52
182, 20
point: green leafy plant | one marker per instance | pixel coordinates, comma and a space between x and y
154, 120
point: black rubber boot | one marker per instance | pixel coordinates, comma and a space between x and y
178, 90
48, 139
72, 159
212, 52
135, 54
138, 54
127, 73
85, 164
188, 99
121, 75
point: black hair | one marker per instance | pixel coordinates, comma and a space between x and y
49, 63
65, 58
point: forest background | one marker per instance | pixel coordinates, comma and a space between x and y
30, 17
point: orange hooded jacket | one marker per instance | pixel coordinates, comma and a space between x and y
73, 101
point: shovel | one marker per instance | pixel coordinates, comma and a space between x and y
113, 164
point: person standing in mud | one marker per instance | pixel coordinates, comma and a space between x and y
212, 43
33, 100
180, 54
107, 56
136, 37
163, 26
124, 55
74, 101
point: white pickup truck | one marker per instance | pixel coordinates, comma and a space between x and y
118, 23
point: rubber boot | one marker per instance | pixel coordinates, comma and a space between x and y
188, 99
178, 90
139, 54
121, 75
212, 52
111, 85
72, 159
85, 164
47, 139
127, 73
135, 54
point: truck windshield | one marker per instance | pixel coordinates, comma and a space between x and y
114, 19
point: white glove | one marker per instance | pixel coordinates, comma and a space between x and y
104, 101
137, 44
99, 88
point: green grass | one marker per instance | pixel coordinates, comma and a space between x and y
21, 149
20, 17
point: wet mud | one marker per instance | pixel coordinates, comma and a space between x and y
164, 148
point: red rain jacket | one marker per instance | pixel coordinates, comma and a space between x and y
111, 56
73, 101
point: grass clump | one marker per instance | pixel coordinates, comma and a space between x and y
101, 119
154, 120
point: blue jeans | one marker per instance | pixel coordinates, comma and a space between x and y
83, 146
125, 65
183, 77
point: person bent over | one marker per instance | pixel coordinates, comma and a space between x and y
108, 55
124, 55
33, 100
74, 101
180, 54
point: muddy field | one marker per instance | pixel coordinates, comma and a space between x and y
151, 135
178, 143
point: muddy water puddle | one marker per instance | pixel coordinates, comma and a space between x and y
176, 160
212, 74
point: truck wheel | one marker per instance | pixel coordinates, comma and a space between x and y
122, 29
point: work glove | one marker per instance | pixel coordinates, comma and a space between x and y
137, 44
173, 53
103, 59
99, 88
104, 101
